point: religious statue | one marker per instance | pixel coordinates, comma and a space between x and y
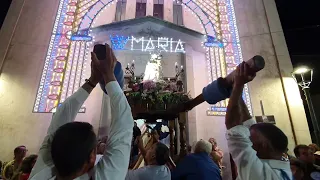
153, 71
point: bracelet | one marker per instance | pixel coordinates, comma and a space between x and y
90, 83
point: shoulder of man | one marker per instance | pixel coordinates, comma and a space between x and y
9, 163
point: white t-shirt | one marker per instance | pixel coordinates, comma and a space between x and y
113, 165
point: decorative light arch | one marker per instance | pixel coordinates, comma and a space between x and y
65, 64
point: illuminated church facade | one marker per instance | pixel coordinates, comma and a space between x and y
45, 57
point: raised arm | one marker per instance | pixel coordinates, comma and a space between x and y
221, 88
240, 146
65, 113
234, 109
115, 162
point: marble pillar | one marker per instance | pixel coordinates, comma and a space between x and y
168, 10
131, 10
149, 8
189, 79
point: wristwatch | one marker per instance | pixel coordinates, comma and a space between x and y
90, 83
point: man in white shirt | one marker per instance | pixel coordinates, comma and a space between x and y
257, 149
69, 149
156, 159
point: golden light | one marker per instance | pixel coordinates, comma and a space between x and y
301, 70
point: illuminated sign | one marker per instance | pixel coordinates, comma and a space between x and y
147, 44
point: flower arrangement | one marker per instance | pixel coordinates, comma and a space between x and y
151, 96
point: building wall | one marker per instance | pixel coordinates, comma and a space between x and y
261, 33
25, 36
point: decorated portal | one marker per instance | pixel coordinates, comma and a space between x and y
75, 33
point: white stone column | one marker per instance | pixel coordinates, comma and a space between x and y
149, 8
168, 10
189, 76
131, 9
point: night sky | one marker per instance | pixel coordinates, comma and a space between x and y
301, 24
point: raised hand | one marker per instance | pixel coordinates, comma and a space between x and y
96, 75
243, 75
106, 67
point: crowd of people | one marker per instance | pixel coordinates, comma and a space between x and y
71, 149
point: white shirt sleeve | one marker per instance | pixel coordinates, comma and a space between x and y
245, 157
115, 162
66, 113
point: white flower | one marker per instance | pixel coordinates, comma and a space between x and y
165, 129
144, 95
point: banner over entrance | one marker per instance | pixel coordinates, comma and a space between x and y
147, 44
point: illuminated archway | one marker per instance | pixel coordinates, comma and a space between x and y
65, 64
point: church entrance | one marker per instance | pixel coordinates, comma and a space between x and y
158, 60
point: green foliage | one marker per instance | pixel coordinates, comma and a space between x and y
157, 100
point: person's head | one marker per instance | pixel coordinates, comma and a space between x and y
73, 149
203, 146
158, 154
298, 169
28, 163
135, 124
268, 141
314, 148
304, 153
20, 152
214, 143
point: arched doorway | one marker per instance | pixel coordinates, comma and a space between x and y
67, 53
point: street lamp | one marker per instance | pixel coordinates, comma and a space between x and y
303, 76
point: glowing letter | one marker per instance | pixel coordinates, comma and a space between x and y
150, 43
134, 40
163, 43
181, 48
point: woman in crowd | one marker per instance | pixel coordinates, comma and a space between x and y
217, 153
26, 167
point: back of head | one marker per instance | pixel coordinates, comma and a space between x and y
162, 153
203, 146
72, 146
274, 135
28, 163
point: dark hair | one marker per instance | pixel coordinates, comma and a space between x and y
276, 137
27, 163
297, 149
17, 150
162, 153
71, 147
299, 164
